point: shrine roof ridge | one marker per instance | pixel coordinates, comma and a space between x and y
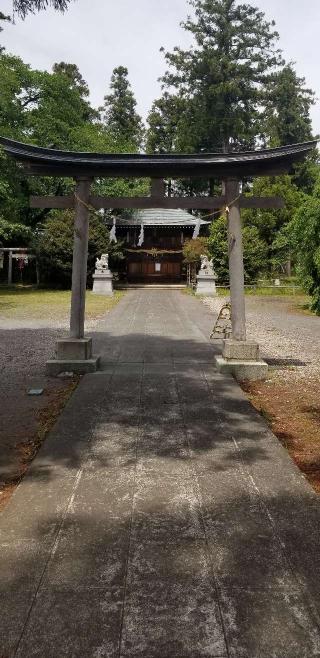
44, 161
159, 217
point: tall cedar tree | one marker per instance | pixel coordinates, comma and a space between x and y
74, 75
287, 110
52, 110
288, 103
119, 113
77, 83
163, 123
287, 121
24, 7
222, 75
3, 17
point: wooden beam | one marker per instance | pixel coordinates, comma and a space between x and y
264, 203
185, 203
61, 202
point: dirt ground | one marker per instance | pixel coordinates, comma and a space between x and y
289, 339
293, 413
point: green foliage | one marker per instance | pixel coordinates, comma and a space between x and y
52, 110
271, 224
287, 119
288, 104
193, 249
305, 235
13, 234
119, 113
218, 248
53, 245
254, 256
164, 124
24, 7
74, 75
3, 17
221, 76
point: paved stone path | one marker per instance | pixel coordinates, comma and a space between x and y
161, 518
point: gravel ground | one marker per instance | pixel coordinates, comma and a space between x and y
25, 346
289, 340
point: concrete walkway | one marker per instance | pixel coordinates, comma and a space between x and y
161, 518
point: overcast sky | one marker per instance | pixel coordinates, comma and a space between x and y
99, 35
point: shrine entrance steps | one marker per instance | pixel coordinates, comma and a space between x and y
161, 518
152, 286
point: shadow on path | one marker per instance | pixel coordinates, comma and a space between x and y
161, 518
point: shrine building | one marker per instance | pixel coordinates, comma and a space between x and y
153, 241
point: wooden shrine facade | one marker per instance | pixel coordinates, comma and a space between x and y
231, 168
153, 241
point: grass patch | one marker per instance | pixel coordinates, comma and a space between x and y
274, 291
188, 291
28, 303
267, 291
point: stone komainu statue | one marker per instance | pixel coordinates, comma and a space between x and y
206, 265
102, 264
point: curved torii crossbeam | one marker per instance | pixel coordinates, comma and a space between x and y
76, 353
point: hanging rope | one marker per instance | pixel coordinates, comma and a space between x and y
196, 229
83, 203
112, 235
225, 210
92, 210
141, 236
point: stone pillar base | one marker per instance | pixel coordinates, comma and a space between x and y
73, 355
244, 350
242, 360
206, 285
102, 283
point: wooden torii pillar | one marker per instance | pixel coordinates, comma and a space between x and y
236, 268
240, 357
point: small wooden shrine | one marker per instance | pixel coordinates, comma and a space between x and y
154, 241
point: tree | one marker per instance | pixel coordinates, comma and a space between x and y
53, 245
163, 120
305, 237
222, 76
13, 234
74, 75
24, 7
40, 108
270, 222
287, 120
119, 113
254, 250
3, 17
287, 108
49, 109
192, 251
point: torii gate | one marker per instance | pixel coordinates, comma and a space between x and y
75, 353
